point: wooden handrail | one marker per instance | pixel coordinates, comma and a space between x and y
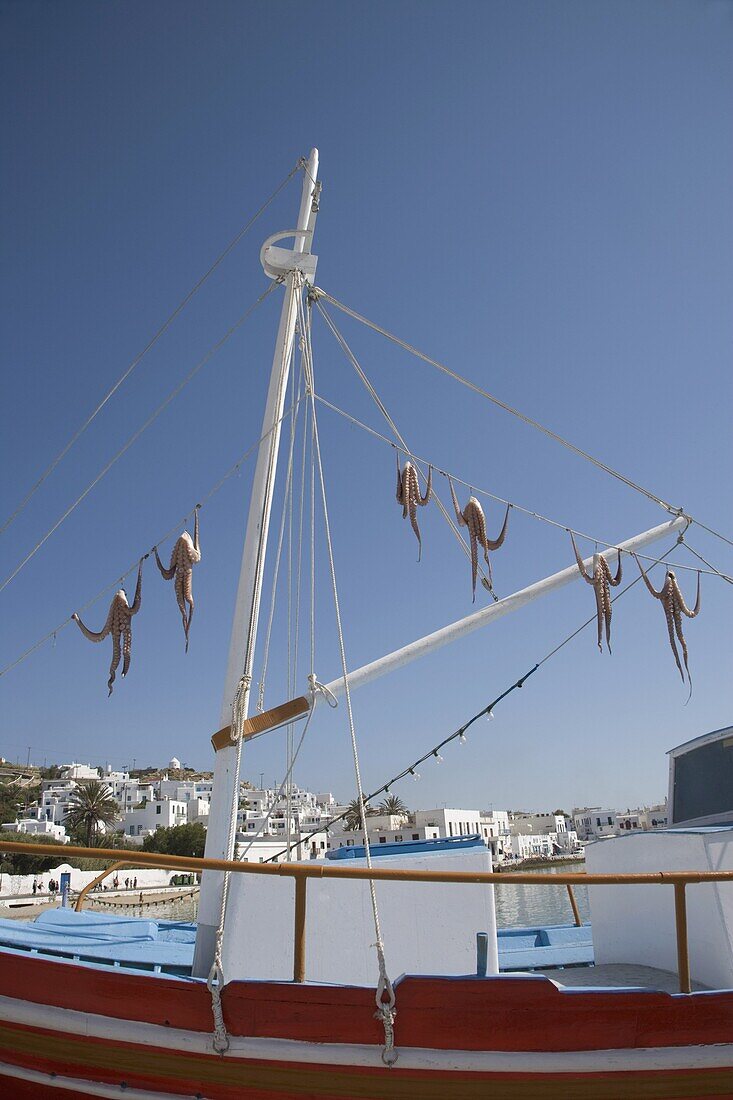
96, 881
316, 869
574, 905
301, 872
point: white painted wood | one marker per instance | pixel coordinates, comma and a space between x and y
247, 607
427, 928
451, 633
636, 924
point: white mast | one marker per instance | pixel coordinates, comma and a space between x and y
278, 263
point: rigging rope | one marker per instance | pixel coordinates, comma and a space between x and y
319, 293
485, 579
136, 435
459, 734
138, 358
384, 995
705, 561
51, 635
471, 485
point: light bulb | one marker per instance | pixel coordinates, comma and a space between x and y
490, 716
415, 775
461, 739
438, 757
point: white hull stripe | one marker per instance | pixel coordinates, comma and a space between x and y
46, 1082
74, 1023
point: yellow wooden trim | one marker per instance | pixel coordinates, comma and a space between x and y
261, 723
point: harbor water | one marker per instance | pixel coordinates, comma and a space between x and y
522, 906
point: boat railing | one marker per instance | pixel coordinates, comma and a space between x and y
301, 872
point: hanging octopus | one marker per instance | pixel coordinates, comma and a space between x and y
602, 582
474, 519
186, 554
119, 625
675, 607
408, 495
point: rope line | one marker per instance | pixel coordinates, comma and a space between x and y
498, 402
138, 358
485, 579
136, 435
121, 577
471, 485
705, 561
384, 994
459, 734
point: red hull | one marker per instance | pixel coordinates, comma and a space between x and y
505, 1037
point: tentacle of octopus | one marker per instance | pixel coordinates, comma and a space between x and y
474, 554
196, 546
680, 600
188, 597
460, 518
423, 500
494, 544
657, 595
414, 524
599, 615
167, 574
126, 649
138, 591
583, 571
678, 629
96, 635
115, 660
617, 579
607, 605
399, 494
669, 615
180, 597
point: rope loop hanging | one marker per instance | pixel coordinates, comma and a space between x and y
385, 1010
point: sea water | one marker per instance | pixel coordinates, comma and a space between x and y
520, 906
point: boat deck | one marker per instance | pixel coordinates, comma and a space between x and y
562, 953
619, 976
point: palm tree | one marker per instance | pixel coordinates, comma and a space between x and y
393, 805
91, 805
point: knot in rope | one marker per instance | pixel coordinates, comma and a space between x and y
386, 1011
317, 688
214, 983
239, 714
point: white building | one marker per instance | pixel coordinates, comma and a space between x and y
79, 771
156, 814
450, 822
594, 823
495, 833
532, 845
37, 826
555, 826
383, 829
262, 825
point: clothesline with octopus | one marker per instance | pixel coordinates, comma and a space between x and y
121, 615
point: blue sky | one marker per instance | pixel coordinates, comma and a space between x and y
538, 194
